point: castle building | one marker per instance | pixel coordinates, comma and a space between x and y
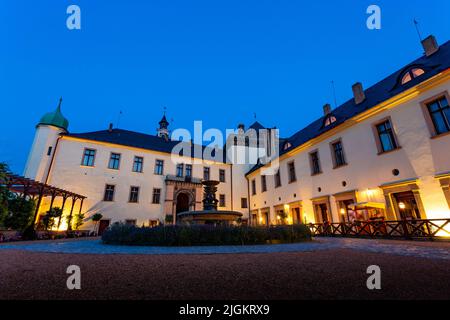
383, 154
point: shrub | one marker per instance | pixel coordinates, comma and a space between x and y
20, 213
199, 235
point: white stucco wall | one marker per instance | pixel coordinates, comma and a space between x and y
419, 157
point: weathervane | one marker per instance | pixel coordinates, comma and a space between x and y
416, 24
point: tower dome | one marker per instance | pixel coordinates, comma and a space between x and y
55, 118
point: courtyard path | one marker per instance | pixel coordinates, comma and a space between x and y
320, 270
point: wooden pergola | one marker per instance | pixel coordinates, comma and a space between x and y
31, 189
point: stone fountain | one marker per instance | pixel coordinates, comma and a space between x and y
209, 214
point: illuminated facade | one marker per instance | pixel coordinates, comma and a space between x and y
384, 154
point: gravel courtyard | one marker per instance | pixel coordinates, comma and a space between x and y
325, 269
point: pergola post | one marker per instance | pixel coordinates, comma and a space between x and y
69, 221
38, 204
62, 209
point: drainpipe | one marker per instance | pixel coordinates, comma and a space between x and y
231, 181
249, 200
52, 160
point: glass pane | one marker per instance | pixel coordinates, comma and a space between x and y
406, 78
417, 72
439, 123
433, 106
386, 142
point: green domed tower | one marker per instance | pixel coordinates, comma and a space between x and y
55, 118
48, 132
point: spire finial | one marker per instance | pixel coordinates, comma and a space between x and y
59, 104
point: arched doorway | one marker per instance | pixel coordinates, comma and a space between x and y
182, 202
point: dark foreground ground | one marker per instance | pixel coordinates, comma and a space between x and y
328, 274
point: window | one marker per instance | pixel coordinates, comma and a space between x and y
221, 175
440, 114
205, 173
49, 150
277, 179
221, 200
88, 158
291, 170
114, 161
130, 222
134, 194
109, 192
253, 187
263, 183
156, 196
137, 164
386, 136
338, 154
315, 162
329, 120
180, 169
159, 167
411, 74
189, 170
244, 203
287, 145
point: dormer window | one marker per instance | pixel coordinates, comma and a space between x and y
411, 74
287, 145
329, 120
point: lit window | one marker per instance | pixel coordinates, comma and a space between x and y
411, 74
329, 120
287, 145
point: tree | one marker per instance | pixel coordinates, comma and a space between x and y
20, 213
96, 218
78, 222
4, 194
50, 218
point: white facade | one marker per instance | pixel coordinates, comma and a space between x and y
410, 180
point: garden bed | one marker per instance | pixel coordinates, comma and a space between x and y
203, 235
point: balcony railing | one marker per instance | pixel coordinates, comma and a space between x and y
407, 229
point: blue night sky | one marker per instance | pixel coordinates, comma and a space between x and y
216, 61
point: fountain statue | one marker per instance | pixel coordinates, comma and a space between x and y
209, 214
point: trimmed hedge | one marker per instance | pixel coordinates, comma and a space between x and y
200, 235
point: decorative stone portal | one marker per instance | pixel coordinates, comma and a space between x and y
209, 214
182, 194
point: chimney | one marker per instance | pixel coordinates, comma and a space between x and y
358, 93
326, 109
110, 129
430, 45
